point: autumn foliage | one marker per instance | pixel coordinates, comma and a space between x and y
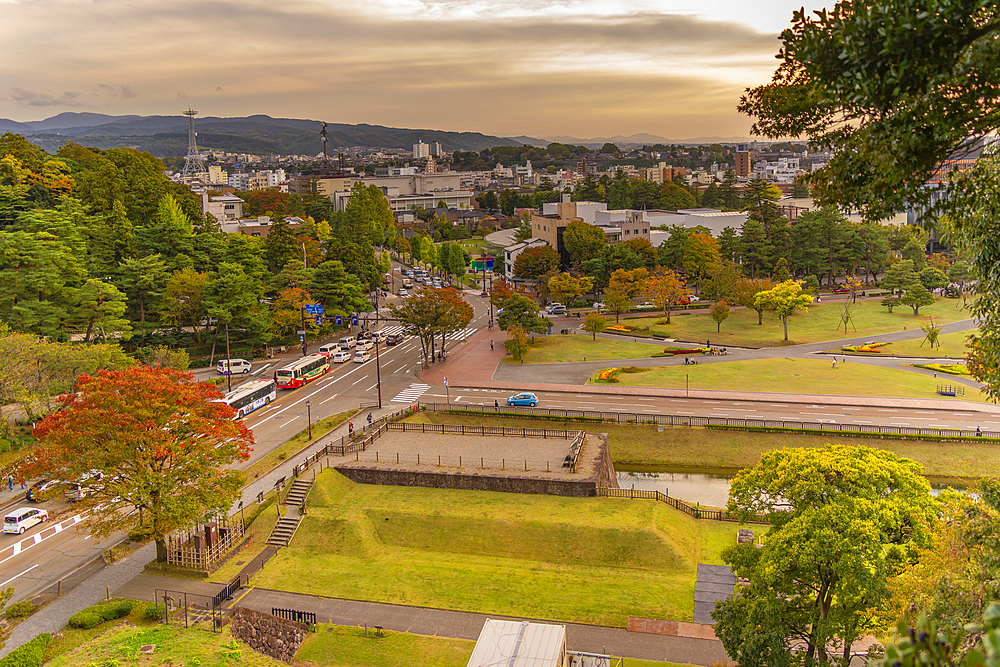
160, 441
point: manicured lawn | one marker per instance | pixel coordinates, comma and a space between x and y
587, 560
682, 447
795, 376
554, 349
952, 345
818, 324
174, 645
342, 645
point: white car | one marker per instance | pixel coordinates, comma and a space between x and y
235, 366
24, 518
361, 356
341, 357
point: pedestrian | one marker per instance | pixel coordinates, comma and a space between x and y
979, 433
491, 346
835, 363
10, 483
369, 419
496, 404
708, 343
350, 428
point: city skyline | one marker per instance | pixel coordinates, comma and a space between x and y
587, 68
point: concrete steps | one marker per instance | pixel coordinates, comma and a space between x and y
284, 531
297, 494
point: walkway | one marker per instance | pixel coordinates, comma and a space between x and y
445, 623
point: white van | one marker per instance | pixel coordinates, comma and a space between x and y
329, 349
361, 356
24, 518
236, 366
348, 342
340, 357
365, 345
378, 337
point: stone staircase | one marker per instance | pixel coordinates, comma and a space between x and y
283, 531
297, 494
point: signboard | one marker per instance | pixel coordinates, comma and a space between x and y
477, 263
354, 320
314, 308
446, 380
319, 320
339, 321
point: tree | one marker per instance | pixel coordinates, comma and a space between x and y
593, 324
38, 274
144, 280
924, 644
565, 288
673, 197
701, 255
533, 263
643, 249
183, 302
784, 299
280, 246
746, 295
162, 442
101, 305
933, 278
900, 276
524, 231
432, 312
340, 292
842, 520
516, 344
520, 311
666, 289
917, 296
890, 302
719, 312
583, 241
375, 222
960, 273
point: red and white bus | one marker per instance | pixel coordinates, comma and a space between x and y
249, 396
302, 371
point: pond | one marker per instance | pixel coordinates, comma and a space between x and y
704, 488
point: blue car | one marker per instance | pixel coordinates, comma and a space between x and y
524, 398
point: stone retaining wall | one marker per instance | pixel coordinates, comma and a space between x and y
274, 637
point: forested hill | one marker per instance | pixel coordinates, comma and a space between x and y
166, 136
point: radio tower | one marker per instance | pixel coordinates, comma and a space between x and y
194, 164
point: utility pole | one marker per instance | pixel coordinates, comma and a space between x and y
229, 369
304, 352
378, 374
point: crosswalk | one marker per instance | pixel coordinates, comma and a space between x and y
457, 336
411, 393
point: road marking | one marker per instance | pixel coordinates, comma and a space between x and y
888, 410
776, 405
922, 412
458, 399
411, 393
328, 399
711, 401
19, 546
858, 421
901, 424
289, 421
357, 381
18, 575
399, 369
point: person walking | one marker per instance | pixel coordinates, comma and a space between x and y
496, 404
369, 419
835, 363
350, 428
491, 346
10, 483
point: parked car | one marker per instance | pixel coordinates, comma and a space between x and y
524, 398
557, 309
42, 490
841, 290
393, 339
24, 518
645, 305
235, 366
341, 356
361, 356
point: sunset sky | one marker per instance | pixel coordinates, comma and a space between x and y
543, 68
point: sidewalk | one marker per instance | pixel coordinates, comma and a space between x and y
445, 623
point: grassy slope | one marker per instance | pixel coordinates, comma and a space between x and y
818, 324
520, 555
796, 376
682, 447
341, 645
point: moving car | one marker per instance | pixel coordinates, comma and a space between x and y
341, 356
329, 349
403, 293
42, 490
393, 339
24, 518
236, 366
557, 309
524, 398
841, 290
365, 345
361, 356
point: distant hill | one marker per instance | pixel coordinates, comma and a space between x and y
643, 140
166, 136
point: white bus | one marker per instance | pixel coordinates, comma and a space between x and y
249, 396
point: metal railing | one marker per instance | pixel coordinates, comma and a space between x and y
696, 512
693, 420
503, 431
306, 617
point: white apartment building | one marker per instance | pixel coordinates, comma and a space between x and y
511, 252
222, 207
421, 150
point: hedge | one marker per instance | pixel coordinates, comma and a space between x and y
28, 654
19, 610
155, 612
93, 616
854, 434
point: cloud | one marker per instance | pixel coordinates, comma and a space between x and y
38, 99
121, 90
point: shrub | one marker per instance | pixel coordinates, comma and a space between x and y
155, 612
19, 610
4, 446
93, 616
634, 369
85, 619
29, 654
608, 375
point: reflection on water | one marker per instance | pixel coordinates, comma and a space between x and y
694, 488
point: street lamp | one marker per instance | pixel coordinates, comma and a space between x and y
309, 419
229, 367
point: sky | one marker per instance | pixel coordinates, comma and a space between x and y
540, 68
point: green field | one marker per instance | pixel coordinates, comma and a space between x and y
586, 560
795, 376
818, 324
555, 349
681, 447
342, 645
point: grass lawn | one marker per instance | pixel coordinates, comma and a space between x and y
554, 349
342, 645
297, 442
796, 376
952, 345
586, 560
681, 447
818, 324
174, 645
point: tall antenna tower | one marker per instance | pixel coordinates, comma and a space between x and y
194, 164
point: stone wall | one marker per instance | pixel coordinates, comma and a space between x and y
476, 481
274, 637
606, 469
671, 628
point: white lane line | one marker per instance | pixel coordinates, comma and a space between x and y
888, 411
262, 369
372, 387
901, 424
715, 414
328, 399
289, 421
357, 381
399, 369
458, 399
18, 575
18, 547
922, 412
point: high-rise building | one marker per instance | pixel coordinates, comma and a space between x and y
742, 164
436, 148
421, 150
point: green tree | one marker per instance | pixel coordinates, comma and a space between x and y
524, 231
583, 241
672, 250
900, 276
916, 296
519, 310
701, 255
843, 519
100, 306
183, 302
719, 312
162, 442
516, 345
368, 206
593, 324
674, 197
340, 292
533, 263
233, 298
757, 248
280, 246
890, 302
932, 278
38, 276
565, 288
784, 299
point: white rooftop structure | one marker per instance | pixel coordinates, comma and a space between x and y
519, 644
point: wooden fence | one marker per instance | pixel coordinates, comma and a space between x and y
696, 512
191, 551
